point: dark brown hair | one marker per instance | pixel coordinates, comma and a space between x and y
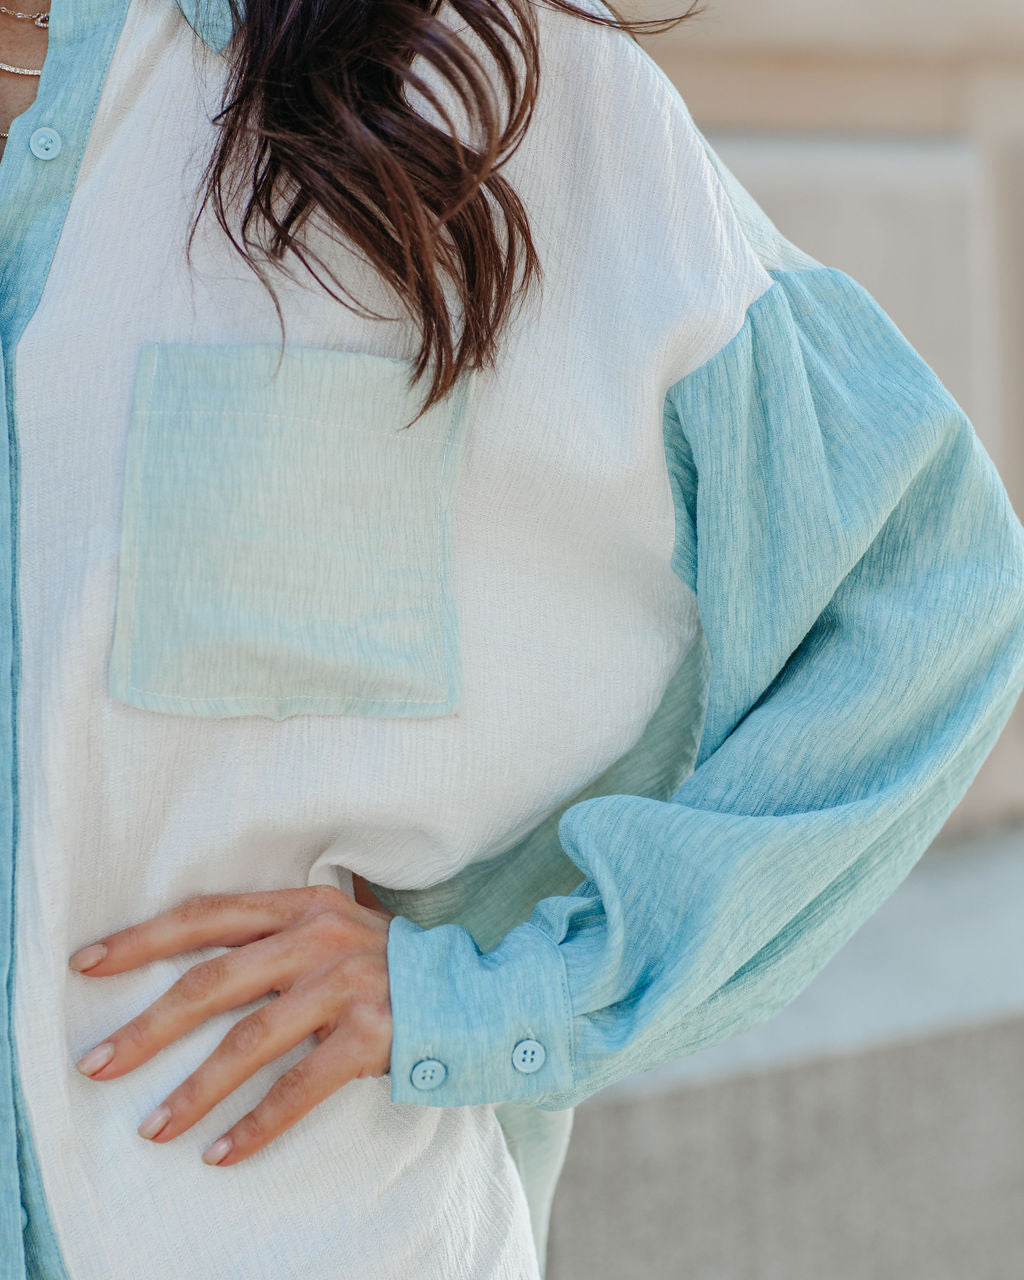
313, 121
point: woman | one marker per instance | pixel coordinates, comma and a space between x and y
517, 736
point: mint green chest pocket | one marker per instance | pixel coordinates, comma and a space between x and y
286, 540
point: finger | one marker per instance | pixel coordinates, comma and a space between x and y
252, 1042
209, 920
333, 1063
213, 986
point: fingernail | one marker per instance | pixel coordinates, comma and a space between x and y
88, 956
95, 1059
216, 1152
154, 1122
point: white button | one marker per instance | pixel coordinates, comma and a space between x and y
528, 1055
24, 1217
428, 1074
45, 143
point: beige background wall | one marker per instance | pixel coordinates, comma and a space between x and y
886, 138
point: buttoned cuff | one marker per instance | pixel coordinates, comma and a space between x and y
473, 1027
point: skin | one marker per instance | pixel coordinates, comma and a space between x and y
321, 952
22, 44
324, 955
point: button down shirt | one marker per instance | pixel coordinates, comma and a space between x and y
634, 676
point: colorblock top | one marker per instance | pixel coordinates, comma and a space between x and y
634, 676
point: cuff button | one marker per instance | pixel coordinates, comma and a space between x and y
428, 1074
528, 1055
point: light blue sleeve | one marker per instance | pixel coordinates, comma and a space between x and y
859, 572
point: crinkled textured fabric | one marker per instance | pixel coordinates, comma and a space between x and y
715, 608
818, 461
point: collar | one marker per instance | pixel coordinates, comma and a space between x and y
211, 20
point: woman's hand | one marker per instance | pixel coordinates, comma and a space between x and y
324, 954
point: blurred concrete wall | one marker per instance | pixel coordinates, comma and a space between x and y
886, 138
902, 1161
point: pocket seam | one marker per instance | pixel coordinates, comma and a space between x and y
352, 704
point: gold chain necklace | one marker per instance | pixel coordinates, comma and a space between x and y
40, 19
18, 71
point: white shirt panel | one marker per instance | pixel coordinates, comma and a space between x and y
571, 622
